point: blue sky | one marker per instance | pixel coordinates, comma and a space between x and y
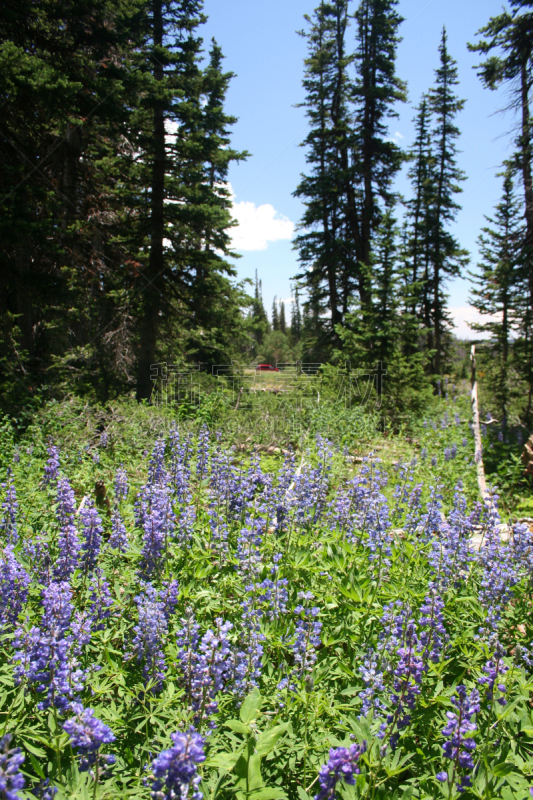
262, 47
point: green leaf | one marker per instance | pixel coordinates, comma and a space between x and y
266, 793
500, 770
32, 749
251, 706
225, 761
255, 781
302, 794
267, 741
237, 726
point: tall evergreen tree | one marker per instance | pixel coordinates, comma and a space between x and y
498, 283
352, 159
258, 317
322, 251
282, 320
447, 257
508, 44
275, 316
188, 215
296, 318
419, 216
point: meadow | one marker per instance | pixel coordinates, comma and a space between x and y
187, 615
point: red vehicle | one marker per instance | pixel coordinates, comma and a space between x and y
266, 368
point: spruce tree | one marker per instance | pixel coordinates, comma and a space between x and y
351, 157
498, 283
275, 316
259, 323
321, 248
446, 257
282, 321
296, 318
419, 216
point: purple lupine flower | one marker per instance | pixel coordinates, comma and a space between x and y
373, 683
169, 597
185, 524
104, 439
44, 791
100, 601
156, 465
450, 555
121, 484
494, 670
68, 541
248, 548
52, 465
499, 575
46, 656
343, 765
87, 735
11, 779
247, 659
14, 583
202, 453
307, 637
150, 635
96, 457
8, 523
433, 633
91, 533
407, 679
206, 664
274, 595
180, 452
119, 536
460, 745
156, 516
176, 776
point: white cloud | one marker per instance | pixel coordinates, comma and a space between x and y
258, 225
462, 315
395, 138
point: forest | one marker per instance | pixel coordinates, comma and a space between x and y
116, 211
249, 552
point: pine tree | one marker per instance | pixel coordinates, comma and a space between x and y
296, 319
189, 207
321, 248
499, 282
275, 317
70, 65
351, 157
282, 321
446, 255
508, 45
259, 323
419, 216
376, 92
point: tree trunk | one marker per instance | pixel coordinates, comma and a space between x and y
151, 292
